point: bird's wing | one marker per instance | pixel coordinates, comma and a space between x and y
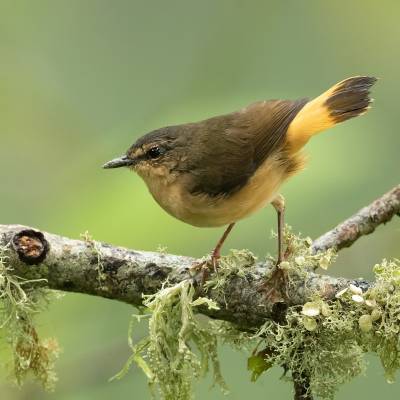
271, 121
231, 147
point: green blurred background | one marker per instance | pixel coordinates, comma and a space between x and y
80, 80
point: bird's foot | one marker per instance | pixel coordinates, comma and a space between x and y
204, 267
278, 263
275, 286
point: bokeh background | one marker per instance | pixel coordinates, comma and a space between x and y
80, 80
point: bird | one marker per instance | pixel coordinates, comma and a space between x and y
220, 170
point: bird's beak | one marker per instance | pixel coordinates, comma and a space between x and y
123, 161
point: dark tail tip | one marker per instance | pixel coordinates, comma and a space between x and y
350, 98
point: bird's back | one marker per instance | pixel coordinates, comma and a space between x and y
231, 147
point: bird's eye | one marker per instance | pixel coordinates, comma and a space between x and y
154, 152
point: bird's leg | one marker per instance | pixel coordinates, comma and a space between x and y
215, 255
279, 205
276, 283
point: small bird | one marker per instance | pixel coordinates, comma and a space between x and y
217, 171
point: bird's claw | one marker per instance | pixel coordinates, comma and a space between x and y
205, 266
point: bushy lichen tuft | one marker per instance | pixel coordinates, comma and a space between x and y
321, 347
322, 341
96, 254
326, 341
180, 346
236, 263
384, 301
20, 301
299, 256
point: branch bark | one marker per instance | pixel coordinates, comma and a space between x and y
96, 268
364, 222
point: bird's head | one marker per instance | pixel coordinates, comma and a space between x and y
155, 154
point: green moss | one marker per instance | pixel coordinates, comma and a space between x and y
299, 257
327, 341
180, 346
20, 301
321, 342
325, 350
96, 254
385, 339
236, 263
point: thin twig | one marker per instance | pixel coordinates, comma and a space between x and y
362, 223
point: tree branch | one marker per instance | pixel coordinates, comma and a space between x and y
362, 223
96, 268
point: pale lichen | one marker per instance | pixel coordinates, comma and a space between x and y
326, 341
180, 347
300, 257
320, 346
96, 254
20, 301
385, 340
321, 342
236, 263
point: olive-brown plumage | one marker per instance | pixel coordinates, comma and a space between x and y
217, 171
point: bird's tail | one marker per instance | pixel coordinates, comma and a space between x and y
343, 101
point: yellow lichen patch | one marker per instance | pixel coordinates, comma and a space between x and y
311, 309
365, 322
376, 314
355, 289
309, 323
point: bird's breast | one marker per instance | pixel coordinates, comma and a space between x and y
207, 211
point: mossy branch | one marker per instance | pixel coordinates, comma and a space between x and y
97, 268
297, 308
